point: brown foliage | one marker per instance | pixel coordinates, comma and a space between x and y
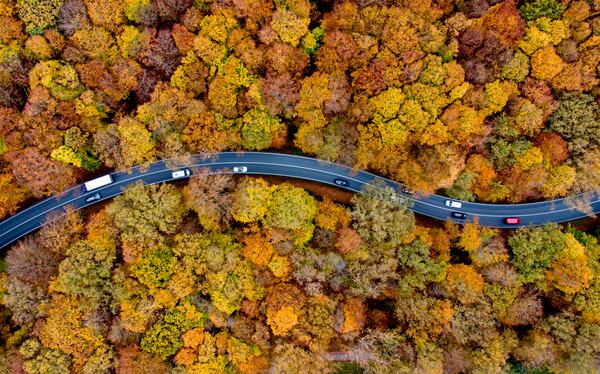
39, 174
171, 10
72, 16
283, 58
162, 56
505, 22
281, 94
60, 230
525, 310
210, 196
540, 94
133, 361
348, 240
553, 146
29, 261
336, 53
184, 39
147, 80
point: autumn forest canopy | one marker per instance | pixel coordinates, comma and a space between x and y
480, 100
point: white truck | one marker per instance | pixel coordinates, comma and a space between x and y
97, 183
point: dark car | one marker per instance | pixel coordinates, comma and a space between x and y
341, 182
458, 215
94, 197
512, 220
407, 191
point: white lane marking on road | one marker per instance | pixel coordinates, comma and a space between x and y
141, 176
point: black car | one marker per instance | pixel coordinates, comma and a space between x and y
94, 197
341, 182
458, 215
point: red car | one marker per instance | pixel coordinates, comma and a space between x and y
512, 221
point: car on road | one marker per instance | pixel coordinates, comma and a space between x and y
453, 204
240, 169
512, 220
407, 191
94, 197
181, 173
458, 215
341, 182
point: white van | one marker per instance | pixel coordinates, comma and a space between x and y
181, 173
453, 204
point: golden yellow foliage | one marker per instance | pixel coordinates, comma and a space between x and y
470, 237
257, 249
193, 338
464, 283
283, 320
64, 329
532, 157
289, 26
280, 266
354, 315
186, 356
570, 272
546, 64
331, 216
560, 180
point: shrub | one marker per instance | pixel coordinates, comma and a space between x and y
541, 8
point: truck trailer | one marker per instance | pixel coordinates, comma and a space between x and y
97, 183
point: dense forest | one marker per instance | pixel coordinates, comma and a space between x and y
241, 275
481, 100
487, 100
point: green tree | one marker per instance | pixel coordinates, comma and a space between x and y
260, 129
103, 361
164, 337
381, 216
290, 208
417, 268
577, 119
41, 360
86, 273
156, 267
143, 213
251, 200
532, 10
533, 250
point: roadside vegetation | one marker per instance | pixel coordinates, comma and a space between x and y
243, 276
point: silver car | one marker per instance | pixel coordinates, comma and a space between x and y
94, 197
240, 169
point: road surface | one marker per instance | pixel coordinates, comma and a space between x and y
291, 166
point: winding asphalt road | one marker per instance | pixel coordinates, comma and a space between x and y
264, 163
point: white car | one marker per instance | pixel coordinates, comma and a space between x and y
453, 204
181, 173
240, 169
